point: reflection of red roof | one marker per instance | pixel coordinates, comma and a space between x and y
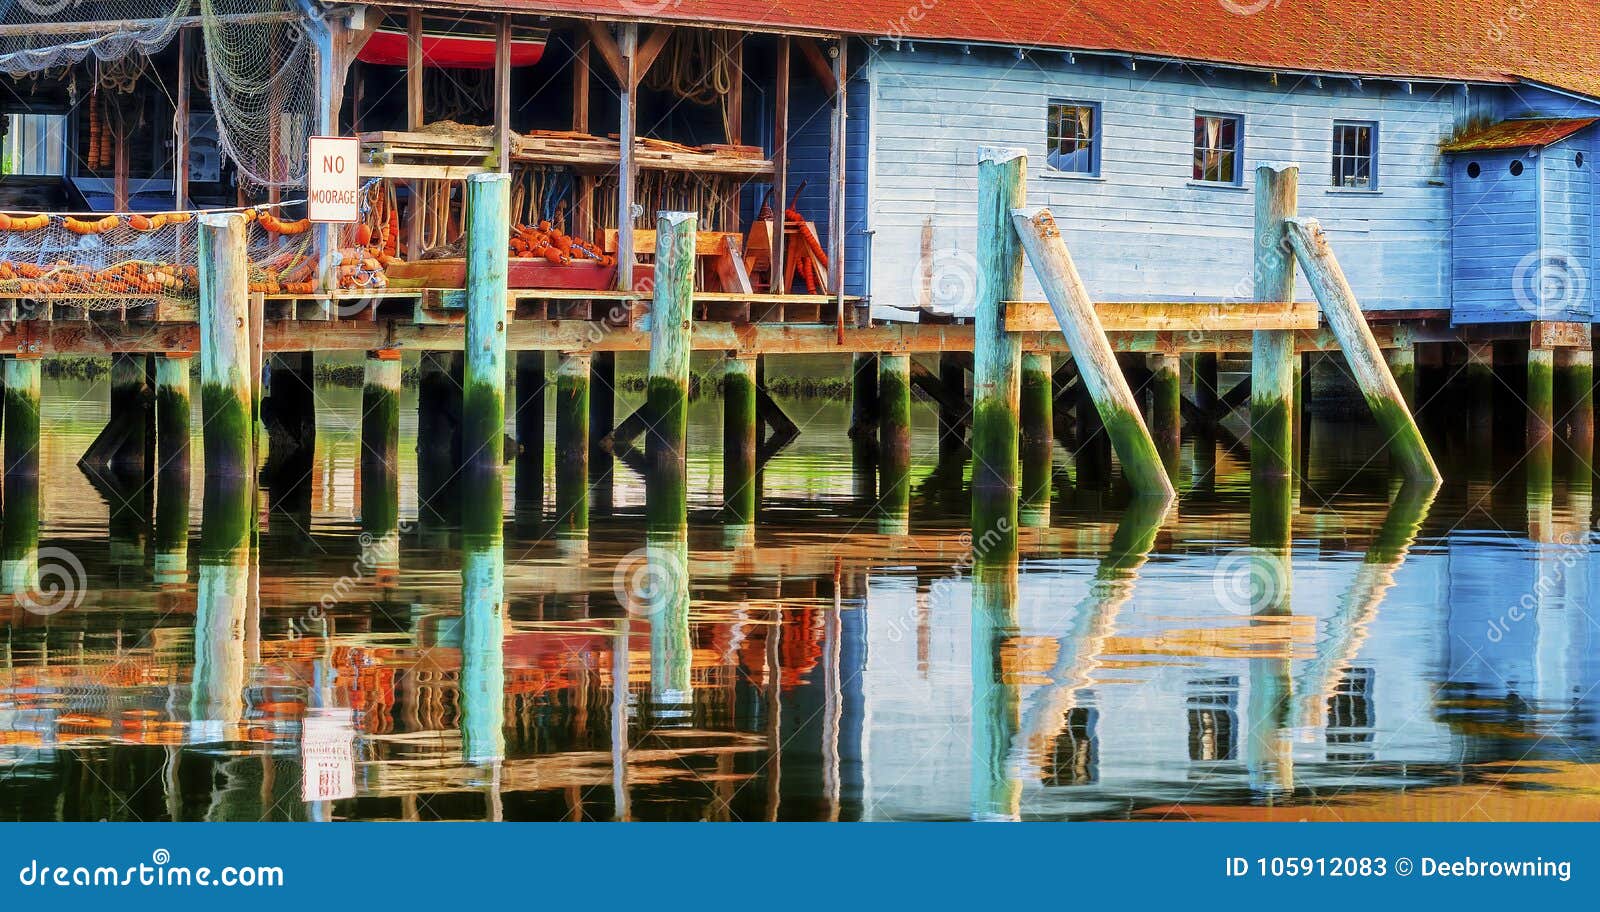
1518, 134
1549, 42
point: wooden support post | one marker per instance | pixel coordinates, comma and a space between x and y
739, 438
1037, 443
949, 388
627, 167
572, 445
484, 395
504, 143
1166, 408
529, 493
838, 167
583, 189
1097, 365
1272, 355
172, 412
180, 125
120, 447
439, 381
380, 462
226, 385
1541, 419
1479, 390
733, 117
1402, 363
20, 532
780, 160
22, 384
894, 442
1349, 327
996, 353
416, 118
1575, 380
671, 325
1207, 397
289, 414
602, 404
864, 398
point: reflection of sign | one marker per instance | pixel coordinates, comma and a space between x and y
333, 189
327, 756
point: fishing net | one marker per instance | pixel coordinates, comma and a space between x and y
109, 262
260, 64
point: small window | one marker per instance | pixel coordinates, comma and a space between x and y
1473, 169
1073, 137
1355, 155
35, 145
1516, 168
1216, 148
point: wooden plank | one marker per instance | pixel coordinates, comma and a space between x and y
627, 169
1555, 334
780, 159
818, 62
180, 127
1115, 316
504, 146
733, 116
706, 243
610, 53
583, 191
836, 187
419, 172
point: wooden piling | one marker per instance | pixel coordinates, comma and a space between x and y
1207, 397
439, 380
172, 412
226, 382
380, 459
1349, 327
483, 402
1575, 379
1402, 363
996, 353
572, 445
1097, 365
120, 447
671, 325
1541, 418
1272, 355
894, 440
170, 565
864, 398
289, 416
1037, 444
22, 415
739, 438
1166, 409
529, 482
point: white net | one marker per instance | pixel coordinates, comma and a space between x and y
258, 66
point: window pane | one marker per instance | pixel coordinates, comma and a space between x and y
1354, 155
1071, 138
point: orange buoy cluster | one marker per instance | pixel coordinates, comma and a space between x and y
546, 242
131, 278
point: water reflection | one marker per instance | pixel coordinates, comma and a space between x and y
1370, 653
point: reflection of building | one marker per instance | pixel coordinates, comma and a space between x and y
1072, 759
1350, 721
1213, 710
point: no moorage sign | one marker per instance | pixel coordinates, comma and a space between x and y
333, 189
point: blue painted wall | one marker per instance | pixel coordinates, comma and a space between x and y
1495, 243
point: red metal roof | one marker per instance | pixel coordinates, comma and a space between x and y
1551, 42
1518, 134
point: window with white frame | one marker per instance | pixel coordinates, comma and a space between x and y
1073, 137
1355, 155
1218, 139
34, 145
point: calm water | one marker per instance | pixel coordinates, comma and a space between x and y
1436, 661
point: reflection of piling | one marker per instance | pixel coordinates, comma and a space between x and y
439, 378
483, 400
996, 786
1272, 357
894, 440
222, 605
483, 687
227, 393
1037, 441
665, 602
739, 438
380, 458
572, 445
996, 353
21, 515
172, 525
671, 325
1541, 417
529, 421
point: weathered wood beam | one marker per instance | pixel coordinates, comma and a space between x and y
503, 142
839, 167
1272, 355
649, 50
583, 193
109, 26
818, 62
1119, 316
610, 53
627, 167
780, 161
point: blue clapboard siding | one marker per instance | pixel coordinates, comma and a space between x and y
1496, 217
810, 136
1142, 230
1567, 230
